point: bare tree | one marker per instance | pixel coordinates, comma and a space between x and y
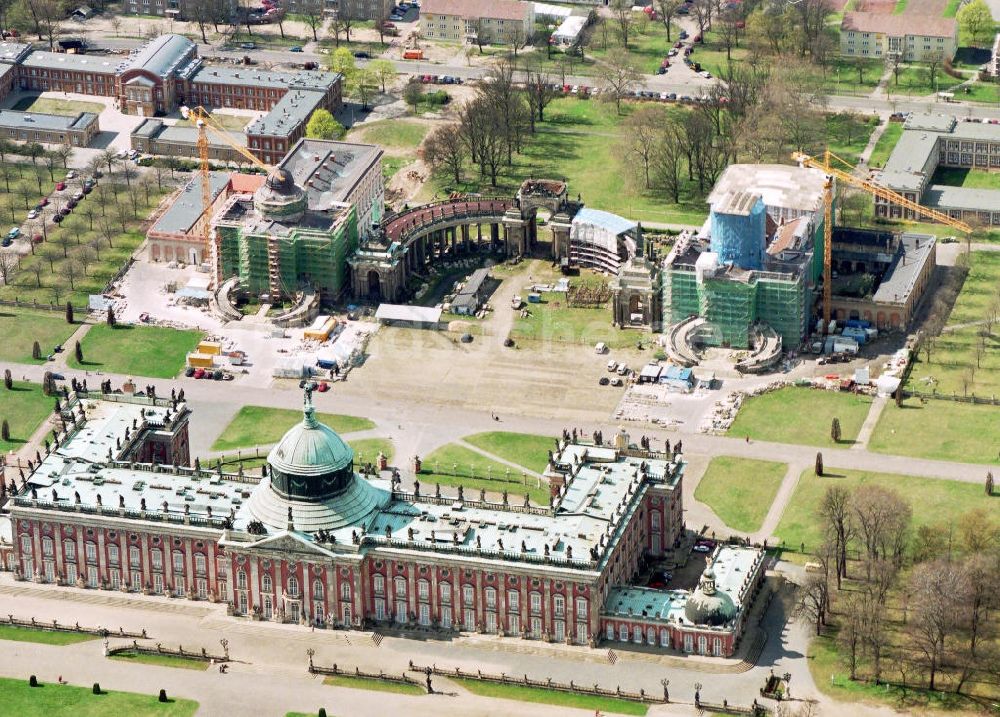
624, 17
641, 136
668, 158
538, 90
620, 75
445, 149
701, 11
883, 522
9, 265
939, 593
70, 270
51, 255
667, 10
835, 511
812, 599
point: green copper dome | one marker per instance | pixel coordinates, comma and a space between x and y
311, 461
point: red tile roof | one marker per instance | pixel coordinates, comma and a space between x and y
473, 9
900, 25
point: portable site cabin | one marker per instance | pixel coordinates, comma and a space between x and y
200, 360
320, 329
209, 347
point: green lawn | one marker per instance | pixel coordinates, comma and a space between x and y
525, 449
261, 426
900, 7
740, 490
21, 328
55, 700
477, 472
801, 415
847, 134
970, 178
886, 143
392, 165
392, 134
153, 351
551, 697
945, 430
363, 683
581, 140
57, 106
951, 10
24, 408
553, 320
367, 449
711, 54
647, 45
232, 123
985, 92
183, 663
954, 351
916, 80
933, 501
42, 637
852, 76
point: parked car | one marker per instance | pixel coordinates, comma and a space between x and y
63, 211
362, 55
33, 214
702, 548
295, 49
87, 189
60, 186
43, 202
248, 45
604, 381
71, 204
6, 242
396, 17
199, 373
14, 233
57, 218
78, 195
189, 371
616, 381
71, 174
37, 239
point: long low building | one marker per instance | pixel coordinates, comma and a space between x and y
500, 22
154, 136
930, 141
74, 130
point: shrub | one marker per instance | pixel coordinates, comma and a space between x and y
4, 430
322, 712
8, 380
163, 696
78, 351
32, 681
97, 688
437, 98
69, 313
36, 351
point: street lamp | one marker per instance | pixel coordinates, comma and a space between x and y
225, 646
666, 693
310, 652
697, 694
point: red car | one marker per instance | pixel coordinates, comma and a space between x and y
44, 202
199, 373
37, 239
60, 186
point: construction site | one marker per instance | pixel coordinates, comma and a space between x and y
768, 272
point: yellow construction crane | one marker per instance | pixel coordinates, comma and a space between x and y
205, 124
866, 185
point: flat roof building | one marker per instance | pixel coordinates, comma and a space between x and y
485, 21
74, 130
913, 38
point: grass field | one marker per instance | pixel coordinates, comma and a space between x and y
970, 178
553, 320
24, 408
153, 351
944, 430
21, 328
801, 415
933, 501
477, 472
581, 139
42, 637
23, 186
57, 106
551, 697
367, 449
55, 700
183, 663
647, 45
740, 490
847, 134
843, 77
524, 449
916, 80
362, 683
953, 356
392, 134
711, 54
261, 426
886, 143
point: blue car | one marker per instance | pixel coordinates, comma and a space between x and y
295, 49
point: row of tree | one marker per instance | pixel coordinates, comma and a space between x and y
908, 605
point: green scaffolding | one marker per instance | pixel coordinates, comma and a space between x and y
730, 307
782, 305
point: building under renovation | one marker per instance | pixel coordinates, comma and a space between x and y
756, 261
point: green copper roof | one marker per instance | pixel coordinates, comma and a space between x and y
310, 448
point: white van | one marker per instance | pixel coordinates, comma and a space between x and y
601, 348
612, 365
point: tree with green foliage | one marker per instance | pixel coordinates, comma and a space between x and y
819, 463
976, 21
412, 94
69, 312
49, 387
342, 61
5, 431
835, 430
323, 125
78, 352
384, 71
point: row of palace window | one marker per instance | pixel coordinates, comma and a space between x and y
649, 637
291, 586
114, 555
469, 596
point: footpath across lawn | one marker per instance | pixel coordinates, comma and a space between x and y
24, 407
943, 430
934, 501
454, 465
801, 415
740, 490
151, 351
21, 328
55, 700
525, 449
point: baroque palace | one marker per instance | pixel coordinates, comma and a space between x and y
114, 505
